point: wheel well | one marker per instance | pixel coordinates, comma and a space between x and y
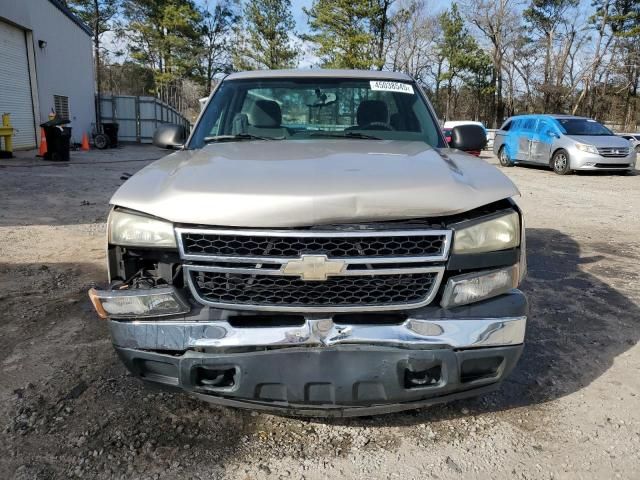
556, 151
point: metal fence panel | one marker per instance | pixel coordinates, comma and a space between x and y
125, 108
138, 117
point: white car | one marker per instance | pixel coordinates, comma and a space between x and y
634, 138
457, 123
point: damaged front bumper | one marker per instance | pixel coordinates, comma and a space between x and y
322, 368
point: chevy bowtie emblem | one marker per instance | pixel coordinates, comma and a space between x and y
313, 267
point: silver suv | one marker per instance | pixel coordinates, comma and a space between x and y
563, 142
315, 247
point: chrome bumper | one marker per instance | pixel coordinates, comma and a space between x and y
413, 333
322, 368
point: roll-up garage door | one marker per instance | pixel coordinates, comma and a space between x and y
15, 86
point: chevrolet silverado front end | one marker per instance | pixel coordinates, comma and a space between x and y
316, 248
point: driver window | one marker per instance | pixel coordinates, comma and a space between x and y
542, 127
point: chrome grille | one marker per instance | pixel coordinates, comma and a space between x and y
315, 271
613, 152
198, 244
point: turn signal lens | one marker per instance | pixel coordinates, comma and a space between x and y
95, 300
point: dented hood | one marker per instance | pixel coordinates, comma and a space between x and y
312, 182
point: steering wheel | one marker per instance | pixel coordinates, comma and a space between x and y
376, 126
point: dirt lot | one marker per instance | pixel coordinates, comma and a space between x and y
68, 408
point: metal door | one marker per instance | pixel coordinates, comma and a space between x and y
525, 136
541, 143
15, 85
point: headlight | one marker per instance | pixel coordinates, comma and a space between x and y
130, 230
499, 233
473, 287
155, 302
586, 148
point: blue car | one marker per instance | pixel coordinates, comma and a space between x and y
562, 142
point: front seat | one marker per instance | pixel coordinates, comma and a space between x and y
265, 119
371, 115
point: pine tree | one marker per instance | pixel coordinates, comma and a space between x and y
460, 50
164, 35
218, 20
265, 42
349, 33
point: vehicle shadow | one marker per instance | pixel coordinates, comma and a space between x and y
579, 323
581, 173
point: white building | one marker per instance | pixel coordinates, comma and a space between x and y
46, 62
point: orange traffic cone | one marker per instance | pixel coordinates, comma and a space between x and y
85, 142
43, 144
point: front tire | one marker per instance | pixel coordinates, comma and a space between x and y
560, 162
503, 157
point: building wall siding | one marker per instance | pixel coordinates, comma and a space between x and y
64, 67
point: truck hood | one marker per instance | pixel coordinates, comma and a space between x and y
293, 183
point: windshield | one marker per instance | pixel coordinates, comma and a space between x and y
316, 108
582, 126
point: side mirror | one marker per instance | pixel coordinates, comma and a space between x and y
552, 134
468, 137
170, 136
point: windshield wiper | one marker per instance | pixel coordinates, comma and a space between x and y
239, 136
356, 135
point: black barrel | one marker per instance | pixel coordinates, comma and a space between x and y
58, 139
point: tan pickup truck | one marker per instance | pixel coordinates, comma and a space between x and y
315, 247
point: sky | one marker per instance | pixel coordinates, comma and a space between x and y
298, 14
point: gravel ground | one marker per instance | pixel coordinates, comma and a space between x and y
68, 408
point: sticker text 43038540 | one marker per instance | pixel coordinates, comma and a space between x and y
386, 86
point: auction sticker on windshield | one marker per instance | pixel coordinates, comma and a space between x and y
384, 86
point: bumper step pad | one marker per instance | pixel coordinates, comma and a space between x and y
348, 376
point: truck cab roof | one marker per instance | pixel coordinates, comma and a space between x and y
320, 73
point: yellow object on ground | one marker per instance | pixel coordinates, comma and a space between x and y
6, 133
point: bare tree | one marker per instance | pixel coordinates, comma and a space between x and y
412, 40
545, 18
602, 43
497, 20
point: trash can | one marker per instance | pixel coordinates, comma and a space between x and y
58, 139
110, 129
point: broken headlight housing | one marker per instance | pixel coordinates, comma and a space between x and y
135, 230
154, 302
